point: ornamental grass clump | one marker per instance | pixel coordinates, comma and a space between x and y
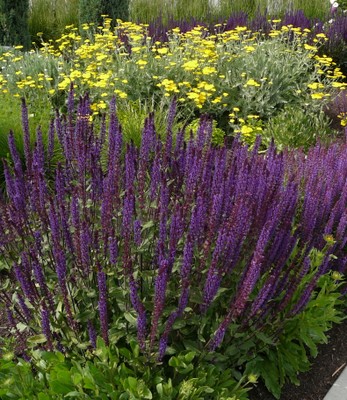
183, 246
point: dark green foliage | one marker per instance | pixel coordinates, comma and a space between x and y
92, 10
286, 357
14, 23
116, 9
115, 373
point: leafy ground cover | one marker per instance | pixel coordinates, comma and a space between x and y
152, 245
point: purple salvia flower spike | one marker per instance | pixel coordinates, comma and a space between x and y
92, 334
102, 286
141, 313
45, 324
113, 250
137, 232
27, 313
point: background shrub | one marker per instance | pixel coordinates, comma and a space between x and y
14, 23
92, 10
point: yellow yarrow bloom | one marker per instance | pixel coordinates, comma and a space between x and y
249, 49
251, 82
315, 85
190, 65
163, 50
209, 70
317, 96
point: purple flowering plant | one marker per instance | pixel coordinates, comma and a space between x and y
181, 245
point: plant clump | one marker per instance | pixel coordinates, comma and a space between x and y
184, 250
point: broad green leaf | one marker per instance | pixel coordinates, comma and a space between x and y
37, 339
130, 318
60, 388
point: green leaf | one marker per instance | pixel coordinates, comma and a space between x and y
147, 225
37, 339
74, 394
126, 353
264, 338
131, 384
43, 396
21, 327
174, 362
190, 356
130, 318
59, 388
52, 357
64, 376
76, 378
160, 390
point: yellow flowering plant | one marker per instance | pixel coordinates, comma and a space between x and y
207, 72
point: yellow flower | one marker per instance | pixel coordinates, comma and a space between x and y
315, 85
308, 47
338, 84
64, 84
121, 94
209, 70
163, 50
251, 82
206, 86
190, 65
141, 62
246, 130
240, 28
216, 100
317, 96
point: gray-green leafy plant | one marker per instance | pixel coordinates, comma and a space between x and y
296, 127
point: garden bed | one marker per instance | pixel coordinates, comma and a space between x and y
153, 245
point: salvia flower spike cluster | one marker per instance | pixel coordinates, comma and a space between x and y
168, 232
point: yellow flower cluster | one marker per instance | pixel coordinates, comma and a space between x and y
196, 66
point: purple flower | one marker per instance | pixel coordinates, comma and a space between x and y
103, 305
92, 334
45, 324
137, 232
141, 313
27, 313
159, 297
113, 250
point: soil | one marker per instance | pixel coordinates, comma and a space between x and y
326, 368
